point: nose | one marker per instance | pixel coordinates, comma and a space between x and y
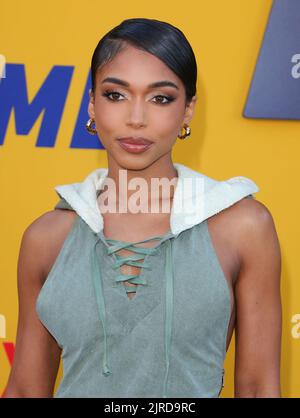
137, 113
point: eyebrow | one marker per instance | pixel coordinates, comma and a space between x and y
163, 83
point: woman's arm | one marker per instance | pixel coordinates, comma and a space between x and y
37, 355
258, 303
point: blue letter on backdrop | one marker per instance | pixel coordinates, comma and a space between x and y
50, 98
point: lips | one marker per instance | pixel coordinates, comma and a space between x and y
135, 141
135, 145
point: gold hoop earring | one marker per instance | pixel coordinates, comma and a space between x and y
187, 132
89, 128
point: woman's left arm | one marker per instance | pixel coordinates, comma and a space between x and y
258, 304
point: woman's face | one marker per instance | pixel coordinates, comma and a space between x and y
137, 109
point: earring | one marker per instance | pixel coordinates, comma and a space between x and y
187, 132
89, 128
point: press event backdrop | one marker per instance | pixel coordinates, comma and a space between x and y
226, 37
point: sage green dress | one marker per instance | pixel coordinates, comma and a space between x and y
169, 340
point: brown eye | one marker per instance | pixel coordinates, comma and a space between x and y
161, 98
113, 94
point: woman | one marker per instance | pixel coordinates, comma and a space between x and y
143, 303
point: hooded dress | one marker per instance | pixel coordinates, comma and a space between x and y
169, 340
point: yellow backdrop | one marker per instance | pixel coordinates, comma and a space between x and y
226, 37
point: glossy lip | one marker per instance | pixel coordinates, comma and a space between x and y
135, 144
135, 140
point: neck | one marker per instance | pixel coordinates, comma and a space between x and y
162, 170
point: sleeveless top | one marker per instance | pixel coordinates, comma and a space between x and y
169, 340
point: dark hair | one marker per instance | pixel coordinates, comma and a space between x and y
161, 39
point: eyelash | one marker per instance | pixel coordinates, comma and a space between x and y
108, 93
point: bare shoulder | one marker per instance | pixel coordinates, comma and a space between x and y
253, 229
52, 220
46, 235
243, 230
252, 212
253, 236
247, 216
245, 213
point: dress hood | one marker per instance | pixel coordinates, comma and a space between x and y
196, 197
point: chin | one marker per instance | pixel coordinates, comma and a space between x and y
136, 162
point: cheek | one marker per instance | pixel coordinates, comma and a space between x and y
167, 122
107, 119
